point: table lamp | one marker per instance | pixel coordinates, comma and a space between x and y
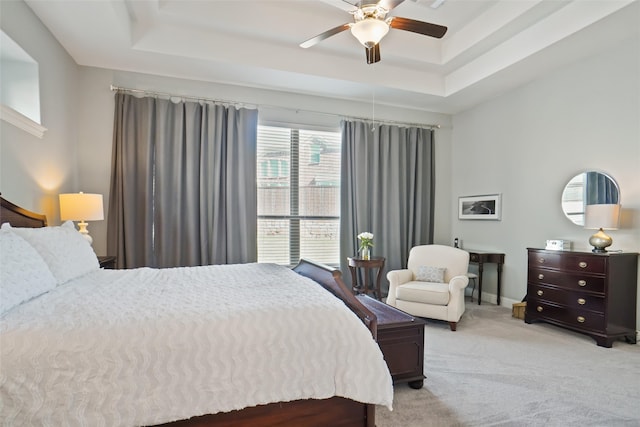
81, 207
601, 217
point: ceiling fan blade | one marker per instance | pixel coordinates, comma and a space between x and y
317, 39
426, 28
373, 54
389, 4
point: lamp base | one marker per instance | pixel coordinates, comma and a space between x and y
600, 241
85, 233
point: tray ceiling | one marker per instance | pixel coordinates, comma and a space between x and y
491, 45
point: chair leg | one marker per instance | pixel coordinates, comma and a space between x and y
453, 326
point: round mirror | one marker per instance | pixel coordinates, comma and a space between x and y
588, 188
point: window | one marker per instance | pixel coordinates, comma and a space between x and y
298, 195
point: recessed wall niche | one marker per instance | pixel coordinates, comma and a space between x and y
20, 95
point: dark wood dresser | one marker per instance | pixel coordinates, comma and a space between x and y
401, 339
591, 293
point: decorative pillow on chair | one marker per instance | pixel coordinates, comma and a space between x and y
427, 273
23, 273
67, 253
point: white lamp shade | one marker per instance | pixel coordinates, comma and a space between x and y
369, 31
602, 216
81, 207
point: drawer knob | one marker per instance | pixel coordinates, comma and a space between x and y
540, 276
541, 260
580, 319
539, 309
582, 283
581, 301
582, 264
540, 293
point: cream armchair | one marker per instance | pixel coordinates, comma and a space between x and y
433, 283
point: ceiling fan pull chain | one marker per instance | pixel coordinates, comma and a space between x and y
373, 103
373, 108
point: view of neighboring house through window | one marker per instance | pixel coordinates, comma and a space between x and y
298, 195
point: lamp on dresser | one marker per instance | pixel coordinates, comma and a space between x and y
601, 217
81, 207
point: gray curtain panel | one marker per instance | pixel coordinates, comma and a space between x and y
183, 183
387, 189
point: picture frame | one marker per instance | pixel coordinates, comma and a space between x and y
487, 207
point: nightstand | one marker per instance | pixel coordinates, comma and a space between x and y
366, 264
108, 262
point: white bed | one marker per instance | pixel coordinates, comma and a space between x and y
152, 346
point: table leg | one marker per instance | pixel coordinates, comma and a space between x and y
366, 281
480, 270
354, 283
378, 277
499, 282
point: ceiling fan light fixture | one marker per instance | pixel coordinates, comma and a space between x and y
369, 31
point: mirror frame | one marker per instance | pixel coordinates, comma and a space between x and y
576, 215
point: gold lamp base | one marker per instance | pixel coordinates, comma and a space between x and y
600, 241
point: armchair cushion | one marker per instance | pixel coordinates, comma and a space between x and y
427, 273
424, 292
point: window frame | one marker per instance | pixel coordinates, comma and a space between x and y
293, 217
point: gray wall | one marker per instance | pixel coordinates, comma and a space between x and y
34, 171
527, 144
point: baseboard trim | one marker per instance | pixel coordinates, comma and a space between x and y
493, 299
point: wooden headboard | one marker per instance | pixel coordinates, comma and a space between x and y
20, 217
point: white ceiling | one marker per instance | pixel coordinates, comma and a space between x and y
490, 47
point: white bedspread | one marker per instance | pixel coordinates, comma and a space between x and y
147, 346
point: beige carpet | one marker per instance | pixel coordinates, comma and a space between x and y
496, 370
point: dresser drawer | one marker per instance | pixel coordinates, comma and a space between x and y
578, 300
569, 281
576, 318
573, 262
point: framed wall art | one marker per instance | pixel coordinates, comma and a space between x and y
480, 207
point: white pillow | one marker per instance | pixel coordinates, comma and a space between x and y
428, 273
67, 253
23, 273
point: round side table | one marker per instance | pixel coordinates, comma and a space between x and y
367, 265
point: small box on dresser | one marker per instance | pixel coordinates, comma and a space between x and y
591, 293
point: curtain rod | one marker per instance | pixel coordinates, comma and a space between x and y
364, 119
183, 97
297, 110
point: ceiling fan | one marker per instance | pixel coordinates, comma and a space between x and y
371, 25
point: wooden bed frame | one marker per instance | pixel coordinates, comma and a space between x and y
335, 411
